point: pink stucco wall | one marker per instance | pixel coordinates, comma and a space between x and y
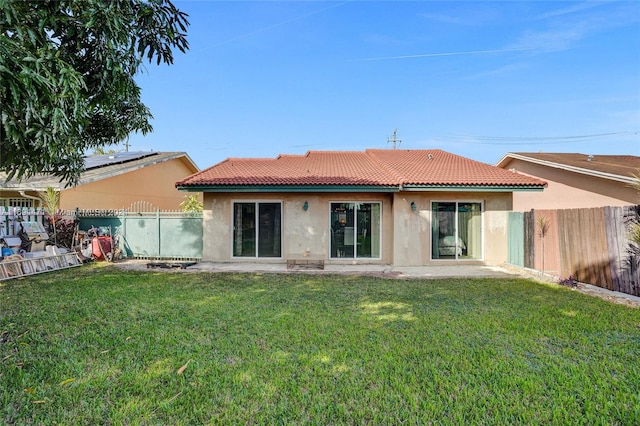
154, 184
569, 190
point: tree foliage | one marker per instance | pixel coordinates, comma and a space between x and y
191, 204
67, 69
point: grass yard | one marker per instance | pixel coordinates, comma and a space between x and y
98, 345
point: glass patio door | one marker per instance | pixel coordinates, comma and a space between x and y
456, 230
257, 229
355, 230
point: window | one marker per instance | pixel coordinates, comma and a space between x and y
355, 230
257, 229
456, 230
16, 202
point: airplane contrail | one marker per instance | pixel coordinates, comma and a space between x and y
433, 55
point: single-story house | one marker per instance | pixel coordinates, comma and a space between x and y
111, 181
399, 207
575, 180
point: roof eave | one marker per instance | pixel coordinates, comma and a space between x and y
474, 188
359, 188
27, 187
288, 188
574, 169
109, 171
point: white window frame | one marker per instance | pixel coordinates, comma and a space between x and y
17, 202
482, 231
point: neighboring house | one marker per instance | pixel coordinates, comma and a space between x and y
112, 181
399, 207
575, 180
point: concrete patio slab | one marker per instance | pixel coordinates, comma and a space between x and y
387, 271
445, 271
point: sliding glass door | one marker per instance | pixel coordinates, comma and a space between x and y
355, 230
456, 230
257, 229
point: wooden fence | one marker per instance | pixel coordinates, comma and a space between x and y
589, 245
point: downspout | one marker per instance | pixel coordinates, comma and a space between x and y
30, 197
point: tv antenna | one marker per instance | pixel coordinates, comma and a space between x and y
394, 140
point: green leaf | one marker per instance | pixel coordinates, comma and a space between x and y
67, 74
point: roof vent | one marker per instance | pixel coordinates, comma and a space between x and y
590, 157
430, 157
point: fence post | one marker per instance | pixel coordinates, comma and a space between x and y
12, 220
24, 213
4, 214
158, 219
123, 233
41, 216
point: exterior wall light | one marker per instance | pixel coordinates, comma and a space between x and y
413, 206
306, 206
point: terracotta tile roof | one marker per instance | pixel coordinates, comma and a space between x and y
369, 168
437, 167
314, 168
620, 165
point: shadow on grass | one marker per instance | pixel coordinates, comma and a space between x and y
294, 349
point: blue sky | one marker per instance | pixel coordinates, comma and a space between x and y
478, 79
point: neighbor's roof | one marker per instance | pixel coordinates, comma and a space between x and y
98, 167
374, 169
616, 167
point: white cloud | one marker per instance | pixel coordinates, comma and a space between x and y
579, 7
566, 27
550, 40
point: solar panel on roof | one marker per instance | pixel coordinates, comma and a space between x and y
96, 161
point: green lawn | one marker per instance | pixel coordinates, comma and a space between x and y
97, 345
